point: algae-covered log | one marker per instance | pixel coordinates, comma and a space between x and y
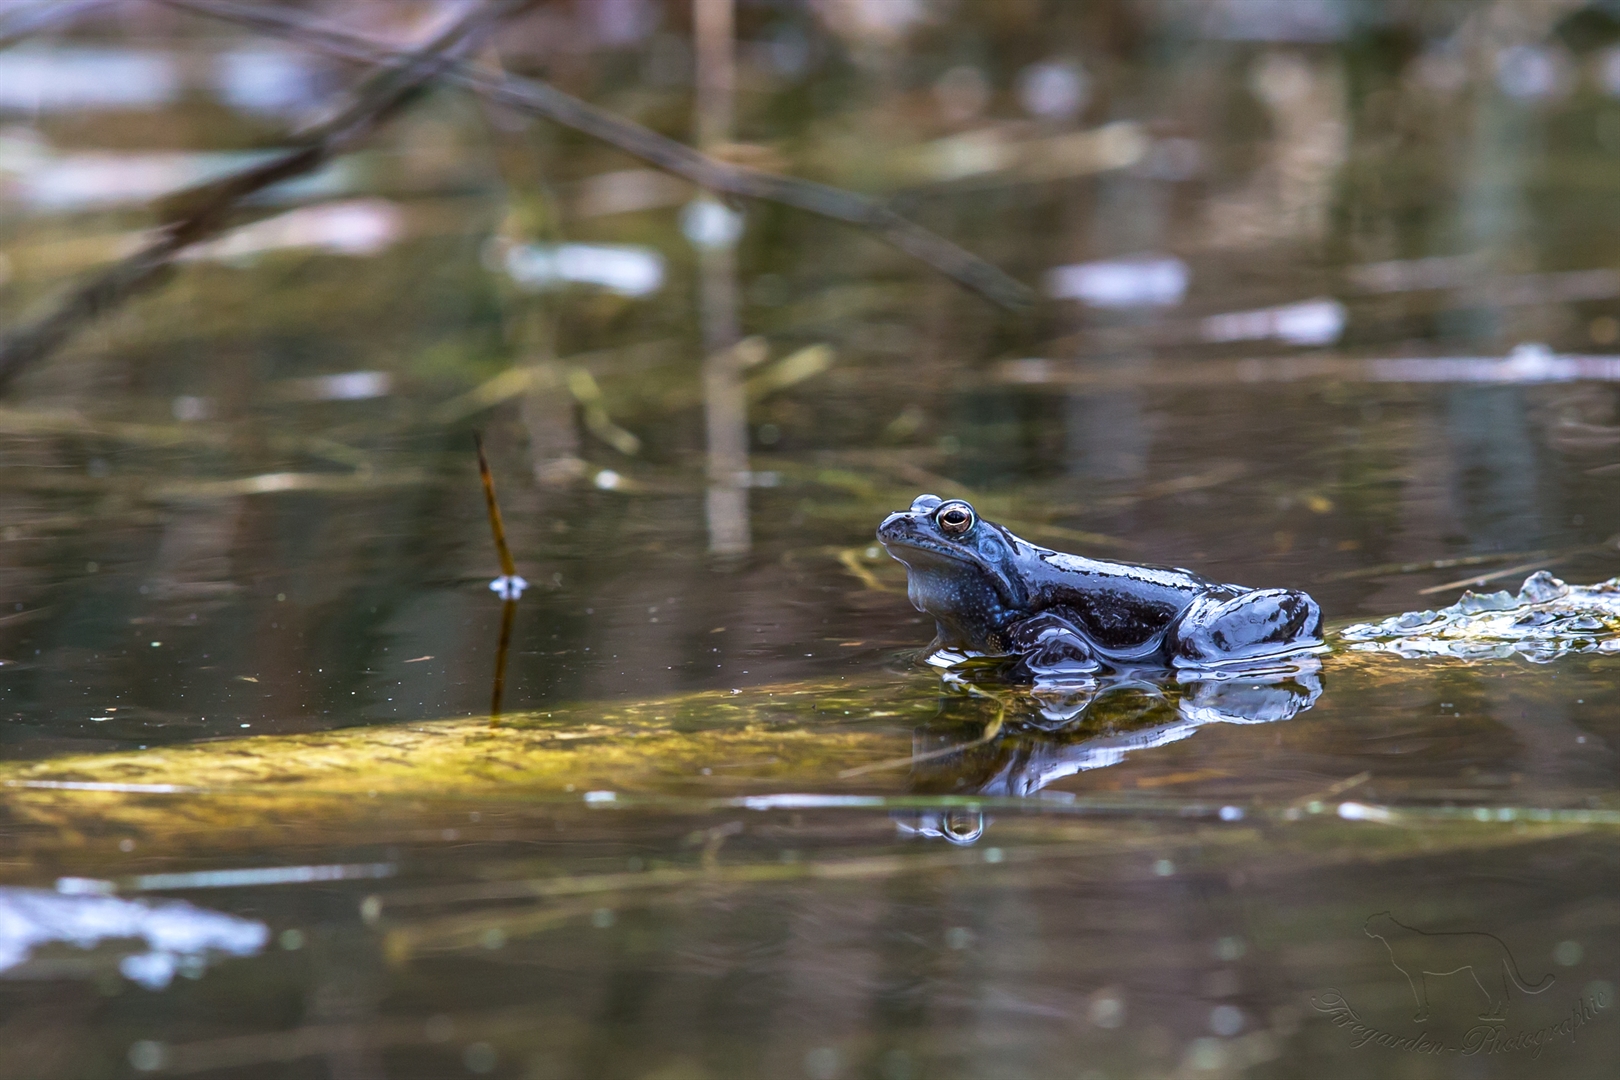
711, 743
903, 737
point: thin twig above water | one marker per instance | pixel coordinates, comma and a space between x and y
1539, 562
509, 585
543, 99
1391, 569
203, 211
496, 526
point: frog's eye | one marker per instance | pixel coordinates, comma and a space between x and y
955, 518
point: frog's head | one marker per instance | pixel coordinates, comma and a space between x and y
960, 569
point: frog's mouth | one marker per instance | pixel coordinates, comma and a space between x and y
931, 551
901, 531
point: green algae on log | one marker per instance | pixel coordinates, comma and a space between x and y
658, 737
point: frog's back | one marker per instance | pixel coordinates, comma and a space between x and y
1122, 608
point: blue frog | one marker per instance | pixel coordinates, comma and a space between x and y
992, 593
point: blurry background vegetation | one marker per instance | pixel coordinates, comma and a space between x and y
1229, 214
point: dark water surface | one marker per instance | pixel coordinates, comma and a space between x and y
256, 818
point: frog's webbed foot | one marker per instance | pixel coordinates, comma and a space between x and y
1222, 626
1050, 645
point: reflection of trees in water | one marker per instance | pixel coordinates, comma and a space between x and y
1056, 730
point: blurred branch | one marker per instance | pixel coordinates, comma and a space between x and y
31, 20
33, 422
543, 99
200, 212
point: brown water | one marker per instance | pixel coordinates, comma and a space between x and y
257, 820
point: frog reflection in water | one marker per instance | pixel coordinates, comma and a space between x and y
1058, 729
992, 593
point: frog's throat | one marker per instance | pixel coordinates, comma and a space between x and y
934, 554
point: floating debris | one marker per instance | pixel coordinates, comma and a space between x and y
709, 224
998, 155
276, 483
1545, 620
45, 182
346, 386
62, 78
1529, 363
267, 81
1054, 89
349, 227
1143, 281
609, 480
626, 269
1310, 322
177, 935
224, 879
41, 78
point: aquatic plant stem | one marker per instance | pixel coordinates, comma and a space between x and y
543, 99
496, 526
502, 650
508, 574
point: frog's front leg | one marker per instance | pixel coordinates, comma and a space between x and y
1226, 624
1051, 645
